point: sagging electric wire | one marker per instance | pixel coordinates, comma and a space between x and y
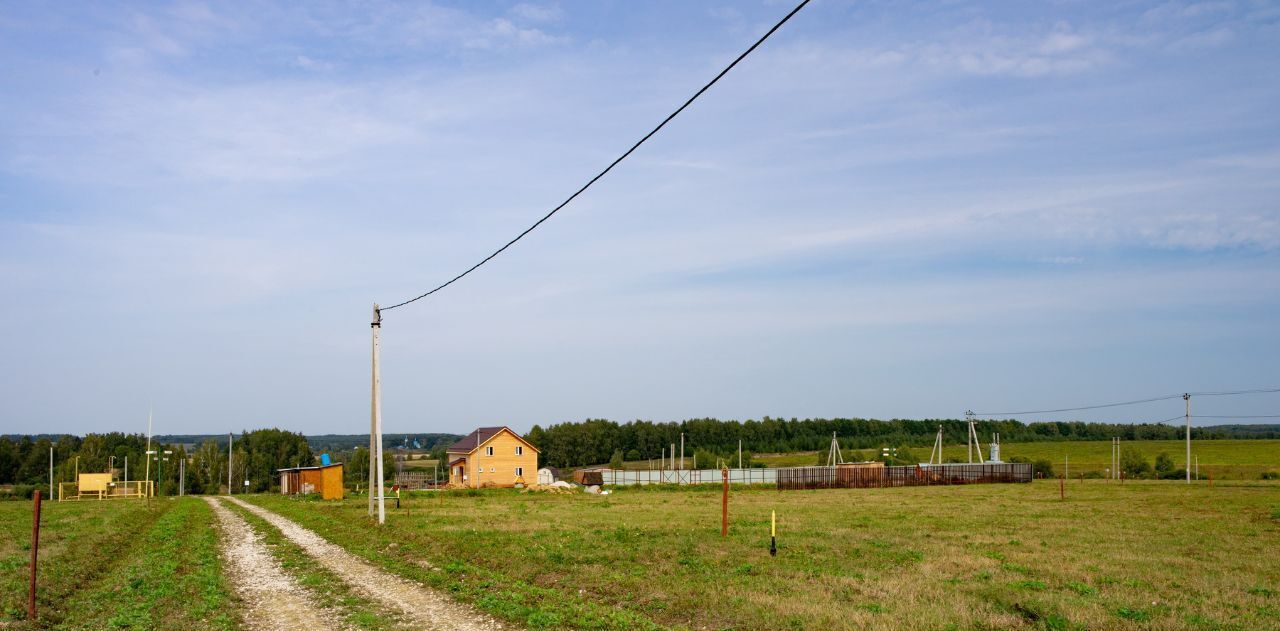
612, 164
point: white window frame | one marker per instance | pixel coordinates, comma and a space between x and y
519, 450
520, 471
488, 451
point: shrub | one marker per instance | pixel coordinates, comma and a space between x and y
1043, 467
1133, 464
18, 492
1270, 475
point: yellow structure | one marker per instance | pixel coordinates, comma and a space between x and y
492, 456
103, 486
324, 479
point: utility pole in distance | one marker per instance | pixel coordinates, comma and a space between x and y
1187, 397
375, 435
230, 439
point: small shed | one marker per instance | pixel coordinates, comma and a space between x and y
588, 477
548, 476
324, 479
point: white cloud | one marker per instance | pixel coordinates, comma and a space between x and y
537, 12
503, 32
307, 63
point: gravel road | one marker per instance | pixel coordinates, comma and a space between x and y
423, 607
273, 601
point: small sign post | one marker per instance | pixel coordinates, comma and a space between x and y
773, 533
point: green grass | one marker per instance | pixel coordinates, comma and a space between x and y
1138, 555
1224, 459
172, 580
80, 542
422, 465
328, 589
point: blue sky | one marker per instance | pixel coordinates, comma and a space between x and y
889, 210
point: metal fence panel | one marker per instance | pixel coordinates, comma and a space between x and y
830, 477
920, 475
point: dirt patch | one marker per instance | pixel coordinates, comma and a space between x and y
423, 607
273, 601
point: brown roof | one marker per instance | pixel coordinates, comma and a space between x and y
481, 436
474, 439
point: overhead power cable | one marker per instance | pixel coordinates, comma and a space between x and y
1237, 416
611, 164
1234, 392
1137, 402
1085, 407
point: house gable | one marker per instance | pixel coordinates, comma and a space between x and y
486, 435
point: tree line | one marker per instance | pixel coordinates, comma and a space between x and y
597, 441
255, 457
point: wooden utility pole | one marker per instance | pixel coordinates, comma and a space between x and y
375, 436
682, 451
51, 472
230, 440
1187, 397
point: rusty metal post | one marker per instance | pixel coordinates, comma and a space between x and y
724, 505
35, 549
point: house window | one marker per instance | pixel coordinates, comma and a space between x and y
520, 471
493, 469
488, 451
519, 450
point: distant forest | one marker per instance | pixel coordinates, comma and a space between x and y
24, 460
596, 441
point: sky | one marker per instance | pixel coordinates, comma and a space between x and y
889, 210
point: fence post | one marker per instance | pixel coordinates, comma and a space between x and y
724, 506
35, 549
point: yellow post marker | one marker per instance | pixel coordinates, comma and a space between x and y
773, 533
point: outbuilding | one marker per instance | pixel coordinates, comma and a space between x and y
324, 479
548, 476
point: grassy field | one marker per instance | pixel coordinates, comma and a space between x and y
115, 564
1155, 555
421, 465
1224, 459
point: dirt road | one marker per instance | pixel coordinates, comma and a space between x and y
273, 601
422, 606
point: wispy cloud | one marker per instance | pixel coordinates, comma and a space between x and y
877, 197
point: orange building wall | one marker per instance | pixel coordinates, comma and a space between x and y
500, 468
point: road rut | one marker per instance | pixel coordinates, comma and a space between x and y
424, 607
273, 600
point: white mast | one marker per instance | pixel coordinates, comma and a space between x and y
148, 454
